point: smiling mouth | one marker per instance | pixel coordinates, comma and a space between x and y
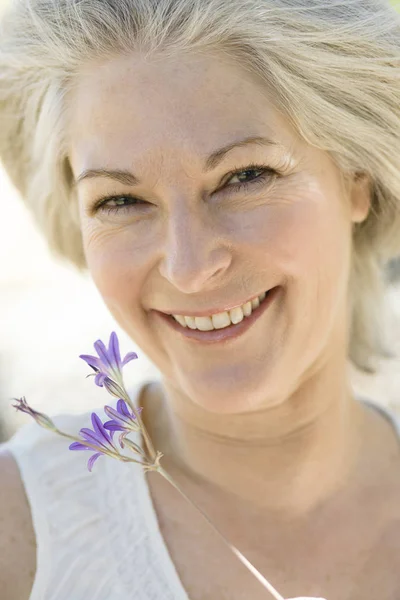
221, 320
225, 334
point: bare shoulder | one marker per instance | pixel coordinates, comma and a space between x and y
17, 537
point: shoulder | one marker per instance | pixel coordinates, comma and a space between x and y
17, 537
28, 467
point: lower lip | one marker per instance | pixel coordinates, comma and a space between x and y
227, 333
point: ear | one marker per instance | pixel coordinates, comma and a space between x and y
360, 197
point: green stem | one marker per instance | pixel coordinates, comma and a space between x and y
237, 552
146, 437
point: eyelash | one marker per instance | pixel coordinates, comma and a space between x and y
267, 172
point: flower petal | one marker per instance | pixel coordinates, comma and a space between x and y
93, 438
113, 426
128, 422
92, 460
130, 356
92, 361
112, 413
98, 427
99, 379
123, 409
113, 351
78, 446
117, 416
101, 350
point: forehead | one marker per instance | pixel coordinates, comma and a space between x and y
192, 104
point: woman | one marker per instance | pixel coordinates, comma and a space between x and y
227, 171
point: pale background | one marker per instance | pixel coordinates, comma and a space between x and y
49, 314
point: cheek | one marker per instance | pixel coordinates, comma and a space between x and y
300, 239
117, 262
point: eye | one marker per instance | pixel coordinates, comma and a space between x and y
118, 204
251, 175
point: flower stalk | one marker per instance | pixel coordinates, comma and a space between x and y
233, 548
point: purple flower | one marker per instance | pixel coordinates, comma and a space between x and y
122, 419
108, 363
99, 439
40, 418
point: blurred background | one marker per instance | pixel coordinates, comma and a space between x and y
49, 314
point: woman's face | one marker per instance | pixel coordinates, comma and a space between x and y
206, 230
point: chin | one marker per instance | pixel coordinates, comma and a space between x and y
227, 396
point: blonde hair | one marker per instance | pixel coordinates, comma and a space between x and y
333, 65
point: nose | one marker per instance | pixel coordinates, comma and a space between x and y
195, 253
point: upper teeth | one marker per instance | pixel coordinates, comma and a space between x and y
223, 319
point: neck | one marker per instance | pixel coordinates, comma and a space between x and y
284, 459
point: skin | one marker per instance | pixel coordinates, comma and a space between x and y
267, 422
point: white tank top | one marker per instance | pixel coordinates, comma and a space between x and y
97, 533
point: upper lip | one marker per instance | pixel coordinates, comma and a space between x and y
210, 311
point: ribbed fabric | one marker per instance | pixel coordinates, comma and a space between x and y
97, 533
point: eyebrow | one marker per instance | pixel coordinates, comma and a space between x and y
212, 161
